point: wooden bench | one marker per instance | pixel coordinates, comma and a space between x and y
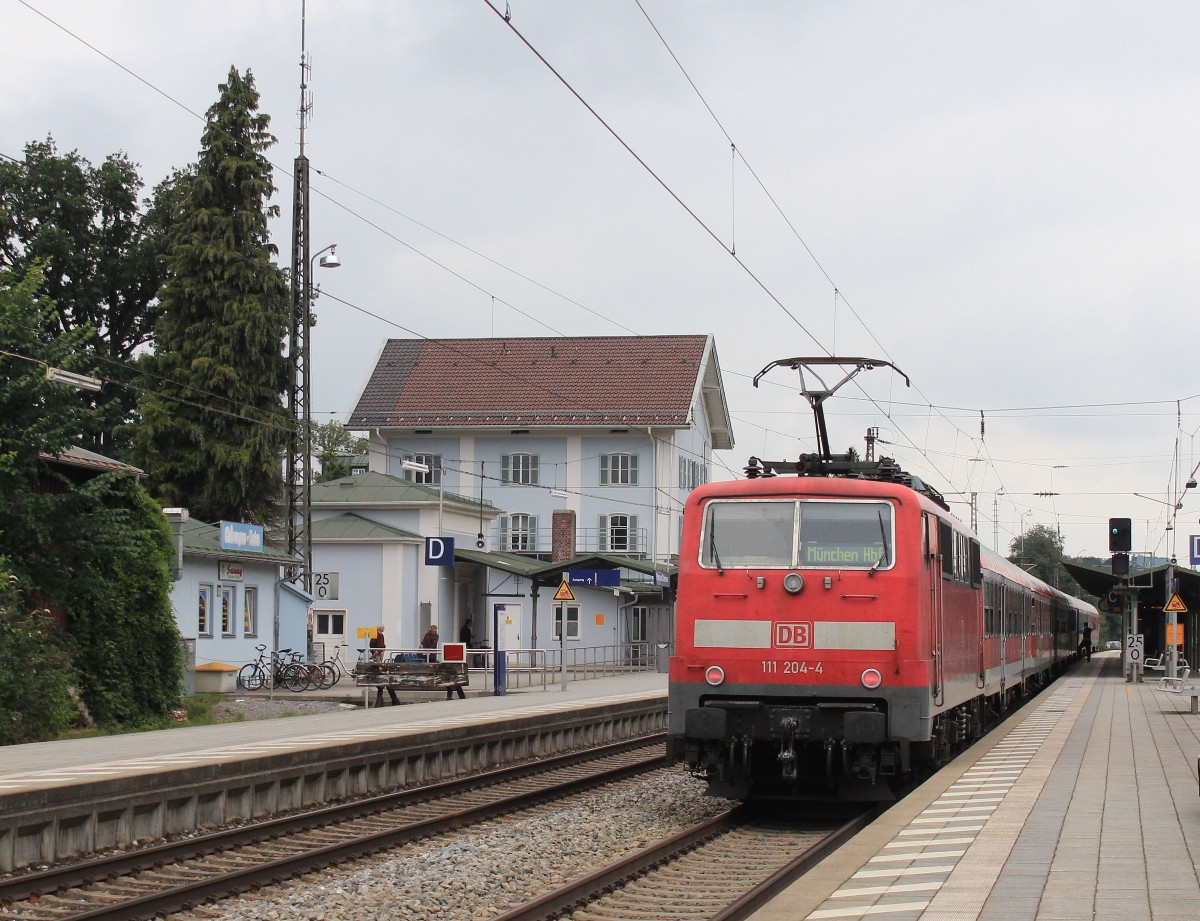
450, 677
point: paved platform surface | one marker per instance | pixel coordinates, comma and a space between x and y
1083, 807
50, 764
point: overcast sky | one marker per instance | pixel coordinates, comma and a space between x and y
999, 198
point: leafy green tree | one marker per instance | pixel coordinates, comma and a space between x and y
37, 417
332, 442
35, 671
101, 256
213, 424
126, 646
97, 549
1039, 551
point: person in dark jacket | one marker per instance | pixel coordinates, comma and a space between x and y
430, 640
378, 645
465, 636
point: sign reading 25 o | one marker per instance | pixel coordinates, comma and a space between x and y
325, 585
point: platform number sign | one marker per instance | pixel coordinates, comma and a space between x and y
1135, 648
325, 585
1195, 554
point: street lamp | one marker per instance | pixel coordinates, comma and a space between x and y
330, 261
418, 467
71, 379
300, 405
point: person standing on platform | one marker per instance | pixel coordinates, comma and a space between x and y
465, 636
378, 645
430, 639
1085, 644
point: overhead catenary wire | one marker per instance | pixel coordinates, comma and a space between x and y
736, 152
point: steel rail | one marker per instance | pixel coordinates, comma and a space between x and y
574, 896
59, 879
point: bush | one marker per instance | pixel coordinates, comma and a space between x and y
36, 678
123, 637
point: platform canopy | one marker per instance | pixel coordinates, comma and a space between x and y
1151, 583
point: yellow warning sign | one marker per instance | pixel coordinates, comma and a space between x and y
1176, 605
564, 593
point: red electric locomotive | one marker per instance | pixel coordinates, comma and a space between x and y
837, 628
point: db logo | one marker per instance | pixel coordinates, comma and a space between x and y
796, 634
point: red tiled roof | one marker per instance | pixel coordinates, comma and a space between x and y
592, 380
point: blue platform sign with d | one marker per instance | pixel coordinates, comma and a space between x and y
439, 551
1195, 541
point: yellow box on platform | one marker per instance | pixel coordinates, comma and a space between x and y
216, 678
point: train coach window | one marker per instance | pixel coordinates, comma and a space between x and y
749, 534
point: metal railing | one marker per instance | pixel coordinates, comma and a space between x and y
529, 667
524, 668
633, 542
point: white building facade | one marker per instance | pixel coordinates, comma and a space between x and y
614, 431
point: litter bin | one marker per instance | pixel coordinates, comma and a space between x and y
663, 655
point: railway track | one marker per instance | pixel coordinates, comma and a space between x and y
182, 875
722, 869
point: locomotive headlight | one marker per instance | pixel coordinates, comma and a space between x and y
871, 679
793, 582
714, 675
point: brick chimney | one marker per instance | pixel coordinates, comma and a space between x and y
562, 535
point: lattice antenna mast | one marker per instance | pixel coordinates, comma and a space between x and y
299, 463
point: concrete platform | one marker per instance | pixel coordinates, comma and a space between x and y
59, 799
1084, 806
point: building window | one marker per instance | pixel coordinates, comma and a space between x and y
249, 611
430, 477
691, 473
518, 533
572, 612
639, 624
618, 470
519, 469
618, 533
226, 594
329, 623
204, 611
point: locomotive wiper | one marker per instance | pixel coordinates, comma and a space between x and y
883, 533
712, 545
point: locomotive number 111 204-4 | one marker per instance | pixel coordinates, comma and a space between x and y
790, 667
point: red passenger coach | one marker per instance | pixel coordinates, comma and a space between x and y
838, 629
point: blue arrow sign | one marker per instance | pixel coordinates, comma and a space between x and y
594, 578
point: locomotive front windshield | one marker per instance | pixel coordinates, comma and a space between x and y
790, 533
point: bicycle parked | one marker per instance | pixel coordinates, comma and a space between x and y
283, 669
333, 669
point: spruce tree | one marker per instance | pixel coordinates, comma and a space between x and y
213, 423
